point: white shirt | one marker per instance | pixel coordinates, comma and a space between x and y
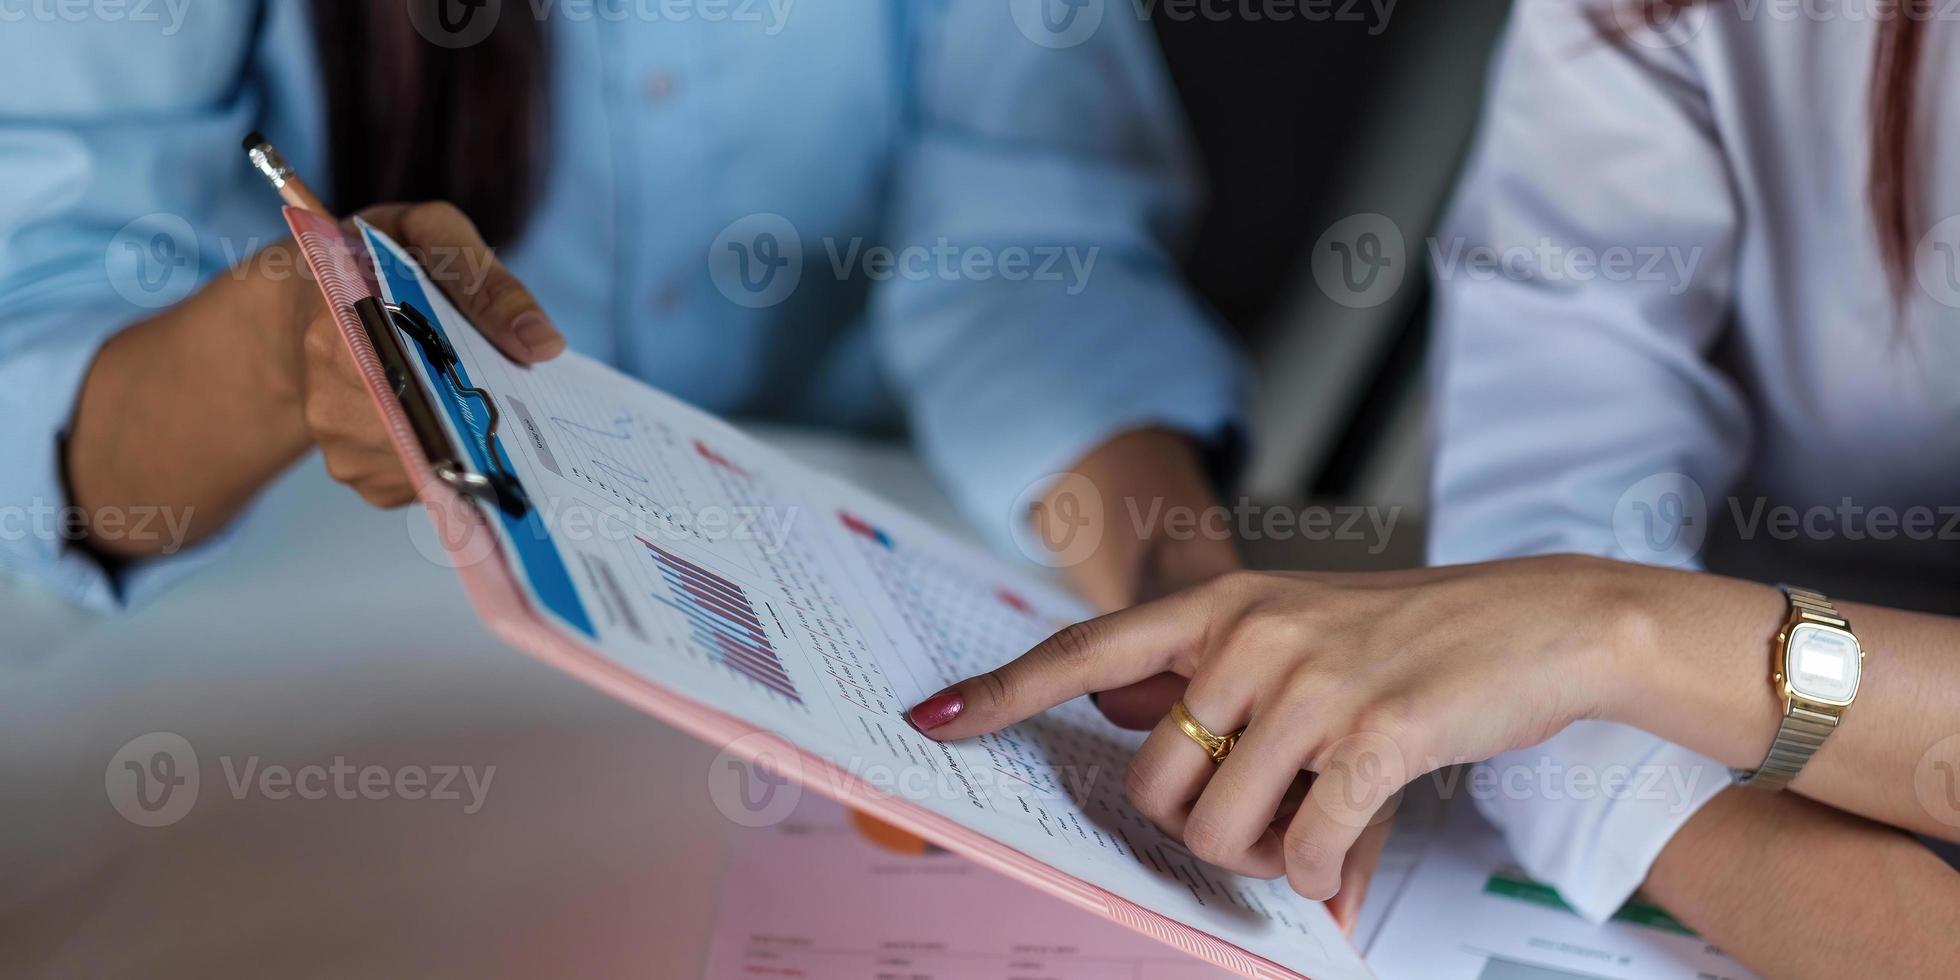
1691, 329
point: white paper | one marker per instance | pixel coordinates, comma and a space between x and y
1467, 913
1417, 819
845, 611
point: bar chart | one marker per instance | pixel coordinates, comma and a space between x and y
724, 621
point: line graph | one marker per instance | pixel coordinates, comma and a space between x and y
585, 435
616, 458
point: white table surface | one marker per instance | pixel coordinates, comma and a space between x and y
326, 634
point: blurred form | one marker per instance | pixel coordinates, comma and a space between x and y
1467, 913
817, 899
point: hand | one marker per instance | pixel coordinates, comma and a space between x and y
192, 411
1137, 477
1115, 499
1365, 681
338, 411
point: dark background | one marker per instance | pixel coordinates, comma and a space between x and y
1301, 123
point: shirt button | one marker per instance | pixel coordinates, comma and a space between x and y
660, 88
668, 298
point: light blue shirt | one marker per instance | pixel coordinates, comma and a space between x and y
980, 201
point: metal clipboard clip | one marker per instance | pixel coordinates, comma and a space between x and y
497, 485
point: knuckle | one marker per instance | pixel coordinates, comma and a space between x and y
431, 225
381, 215
1295, 704
1239, 582
427, 216
1209, 840
500, 288
1266, 630
1144, 787
1075, 646
497, 293
319, 341
1391, 718
386, 496
1311, 868
320, 415
1392, 745
1307, 680
493, 292
1307, 855
344, 469
993, 687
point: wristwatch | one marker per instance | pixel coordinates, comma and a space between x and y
1817, 662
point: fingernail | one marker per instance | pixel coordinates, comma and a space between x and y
535, 332
937, 710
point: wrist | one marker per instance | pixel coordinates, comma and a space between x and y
195, 408
1637, 662
1689, 659
240, 337
271, 324
1608, 628
249, 323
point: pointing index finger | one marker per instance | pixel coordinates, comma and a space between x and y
1098, 655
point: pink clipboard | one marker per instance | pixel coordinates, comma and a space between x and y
340, 263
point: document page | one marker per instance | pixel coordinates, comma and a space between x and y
1468, 913
814, 898
696, 557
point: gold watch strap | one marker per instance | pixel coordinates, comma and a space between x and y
1813, 607
1797, 739
1803, 730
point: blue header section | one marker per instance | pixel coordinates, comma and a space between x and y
530, 540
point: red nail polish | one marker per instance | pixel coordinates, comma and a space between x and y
937, 710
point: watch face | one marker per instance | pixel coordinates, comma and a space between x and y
1823, 663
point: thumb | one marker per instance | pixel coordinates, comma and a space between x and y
450, 249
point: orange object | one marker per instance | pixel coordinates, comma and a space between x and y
889, 837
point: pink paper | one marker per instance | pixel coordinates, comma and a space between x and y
814, 899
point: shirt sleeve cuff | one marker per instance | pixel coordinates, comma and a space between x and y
1029, 399
40, 381
1589, 810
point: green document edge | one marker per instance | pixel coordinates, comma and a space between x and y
1511, 883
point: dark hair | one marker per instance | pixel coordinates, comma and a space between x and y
1893, 101
412, 120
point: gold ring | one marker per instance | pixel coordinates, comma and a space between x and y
1216, 746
